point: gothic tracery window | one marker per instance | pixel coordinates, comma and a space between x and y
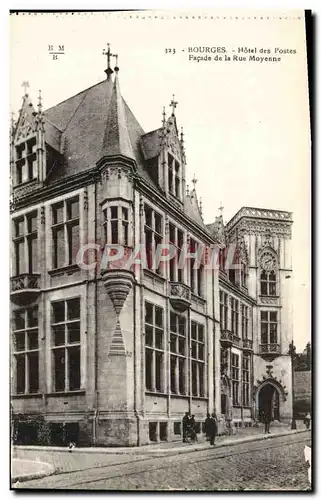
268, 281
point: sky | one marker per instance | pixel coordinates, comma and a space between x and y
246, 124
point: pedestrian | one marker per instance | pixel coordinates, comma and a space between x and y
307, 420
185, 423
71, 446
193, 428
207, 424
212, 429
267, 422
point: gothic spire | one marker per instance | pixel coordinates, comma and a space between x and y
108, 54
116, 138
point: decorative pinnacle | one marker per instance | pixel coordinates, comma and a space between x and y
39, 102
201, 206
187, 189
173, 104
108, 54
116, 68
194, 181
25, 85
182, 135
221, 208
164, 117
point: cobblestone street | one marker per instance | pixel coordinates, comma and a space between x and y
269, 464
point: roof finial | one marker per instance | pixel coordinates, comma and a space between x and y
221, 208
25, 85
108, 54
194, 181
201, 206
116, 68
187, 190
182, 135
173, 103
39, 102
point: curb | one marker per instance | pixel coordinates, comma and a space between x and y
33, 475
141, 451
231, 443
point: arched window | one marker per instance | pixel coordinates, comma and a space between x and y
268, 281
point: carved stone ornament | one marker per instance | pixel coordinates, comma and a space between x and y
242, 249
270, 301
268, 261
259, 227
173, 141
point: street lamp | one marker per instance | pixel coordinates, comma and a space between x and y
292, 354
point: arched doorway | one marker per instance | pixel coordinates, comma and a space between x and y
269, 402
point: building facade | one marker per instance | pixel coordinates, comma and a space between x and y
113, 348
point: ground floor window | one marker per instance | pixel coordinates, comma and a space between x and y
154, 347
65, 328
26, 350
198, 359
178, 349
246, 380
235, 378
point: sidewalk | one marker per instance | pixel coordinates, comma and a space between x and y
24, 470
242, 435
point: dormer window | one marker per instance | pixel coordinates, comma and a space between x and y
174, 176
26, 161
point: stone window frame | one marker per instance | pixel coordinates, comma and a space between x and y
266, 271
224, 303
245, 321
177, 274
235, 315
67, 346
22, 242
246, 369
269, 323
196, 275
27, 160
174, 169
65, 224
235, 377
157, 353
27, 351
198, 361
156, 237
179, 358
116, 225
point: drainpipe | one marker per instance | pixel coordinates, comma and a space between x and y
96, 416
135, 328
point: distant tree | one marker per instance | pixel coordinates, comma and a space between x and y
302, 361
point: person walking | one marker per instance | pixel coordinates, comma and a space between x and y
267, 422
207, 425
185, 423
193, 428
212, 429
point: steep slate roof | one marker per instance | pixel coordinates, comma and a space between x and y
94, 123
97, 122
150, 143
